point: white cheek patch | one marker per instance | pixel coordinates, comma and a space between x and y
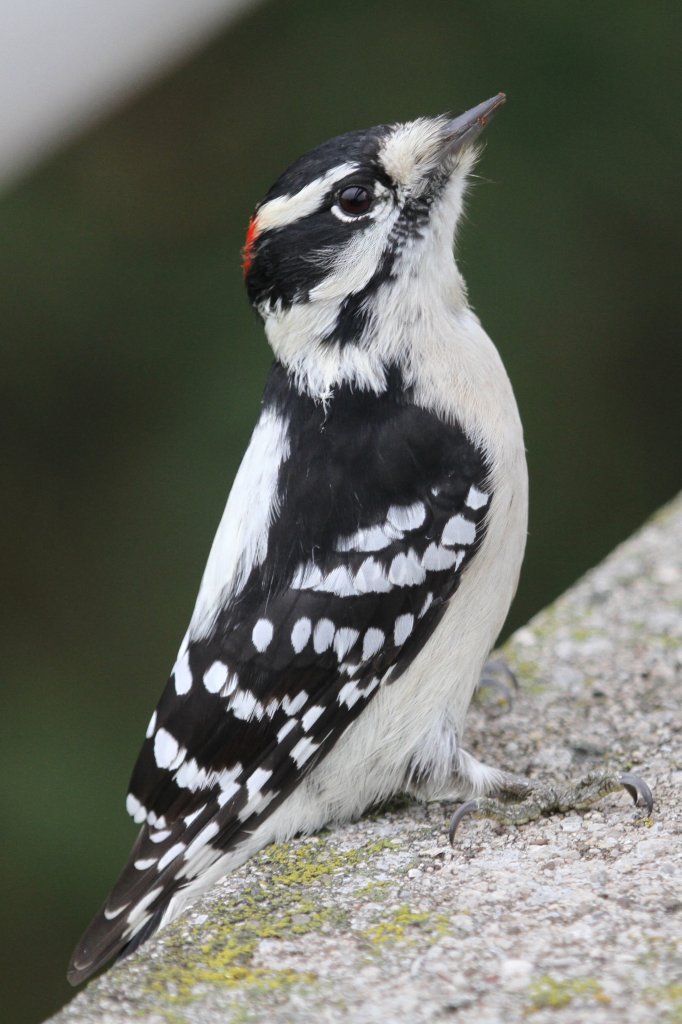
283, 210
357, 261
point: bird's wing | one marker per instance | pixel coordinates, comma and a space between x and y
294, 657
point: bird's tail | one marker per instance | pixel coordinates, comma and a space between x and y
133, 911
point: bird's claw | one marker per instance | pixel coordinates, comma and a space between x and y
517, 802
638, 790
468, 808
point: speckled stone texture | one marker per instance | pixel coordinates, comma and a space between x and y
571, 918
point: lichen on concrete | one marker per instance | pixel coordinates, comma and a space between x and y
279, 903
547, 992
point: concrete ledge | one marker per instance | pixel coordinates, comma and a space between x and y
577, 917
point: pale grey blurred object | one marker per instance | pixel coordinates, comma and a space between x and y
66, 63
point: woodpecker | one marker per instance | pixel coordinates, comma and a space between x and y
371, 543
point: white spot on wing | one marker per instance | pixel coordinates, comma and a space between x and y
372, 539
272, 707
391, 531
166, 749
111, 914
226, 776
141, 906
476, 499
245, 705
170, 855
258, 801
311, 716
190, 776
262, 634
427, 604
227, 793
339, 582
349, 694
306, 577
286, 729
436, 559
303, 751
256, 781
159, 836
323, 635
344, 640
189, 818
151, 727
372, 642
459, 530
135, 809
407, 517
207, 833
182, 675
371, 686
371, 579
404, 625
141, 865
292, 705
215, 677
406, 570
300, 634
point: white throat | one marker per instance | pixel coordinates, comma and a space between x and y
422, 302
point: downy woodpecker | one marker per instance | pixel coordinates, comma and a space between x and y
371, 543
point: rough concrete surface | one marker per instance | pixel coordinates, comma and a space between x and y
571, 918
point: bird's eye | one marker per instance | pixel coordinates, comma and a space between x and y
355, 200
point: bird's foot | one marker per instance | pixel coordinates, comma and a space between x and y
518, 801
498, 680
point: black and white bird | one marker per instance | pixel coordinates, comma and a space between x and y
371, 543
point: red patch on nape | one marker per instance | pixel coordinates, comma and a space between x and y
247, 251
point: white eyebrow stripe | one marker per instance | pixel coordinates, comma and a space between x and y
287, 209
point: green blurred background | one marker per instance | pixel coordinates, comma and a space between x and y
132, 364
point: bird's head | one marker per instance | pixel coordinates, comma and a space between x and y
361, 224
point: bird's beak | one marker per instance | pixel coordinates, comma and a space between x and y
463, 130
